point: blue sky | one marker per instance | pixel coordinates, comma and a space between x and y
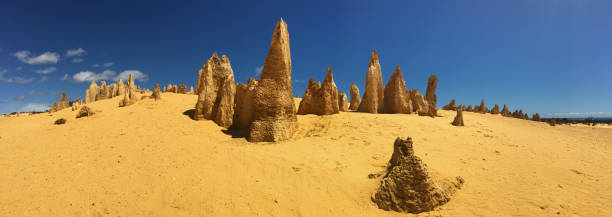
548, 56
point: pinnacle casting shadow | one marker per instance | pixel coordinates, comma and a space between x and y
189, 113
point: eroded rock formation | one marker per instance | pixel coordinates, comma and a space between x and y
84, 112
372, 101
355, 97
407, 186
320, 99
275, 117
536, 117
129, 96
62, 104
156, 94
182, 88
482, 108
458, 118
505, 111
430, 94
495, 109
343, 102
217, 91
245, 106
396, 98
92, 93
451, 106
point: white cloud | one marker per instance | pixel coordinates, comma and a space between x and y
34, 107
43, 79
96, 65
258, 70
77, 60
109, 64
65, 77
19, 68
47, 57
84, 76
137, 75
46, 71
17, 80
76, 52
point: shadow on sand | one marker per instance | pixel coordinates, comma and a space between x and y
235, 133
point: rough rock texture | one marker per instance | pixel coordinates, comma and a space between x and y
156, 94
92, 93
526, 116
84, 112
320, 99
430, 94
482, 108
191, 90
396, 98
343, 104
505, 111
419, 104
372, 101
355, 97
129, 96
495, 109
469, 109
451, 106
104, 91
243, 112
407, 186
60, 121
62, 104
458, 118
120, 87
217, 92
536, 117
75, 104
182, 88
552, 122
275, 117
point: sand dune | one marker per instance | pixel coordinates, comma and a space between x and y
150, 159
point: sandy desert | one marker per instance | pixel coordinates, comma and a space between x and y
152, 159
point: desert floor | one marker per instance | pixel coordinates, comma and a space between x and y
151, 159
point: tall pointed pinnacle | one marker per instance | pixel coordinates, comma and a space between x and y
274, 109
372, 101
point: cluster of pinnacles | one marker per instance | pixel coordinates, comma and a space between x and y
181, 88
264, 106
484, 110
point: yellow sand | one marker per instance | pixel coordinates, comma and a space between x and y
149, 159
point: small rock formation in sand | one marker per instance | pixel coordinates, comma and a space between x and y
217, 91
482, 108
182, 88
274, 108
407, 186
458, 118
129, 96
343, 102
60, 121
191, 90
91, 93
552, 122
536, 117
469, 108
505, 111
156, 94
430, 94
62, 104
396, 98
243, 113
451, 106
495, 109
320, 99
526, 116
372, 101
355, 97
84, 112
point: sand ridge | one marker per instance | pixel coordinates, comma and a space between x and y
152, 159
